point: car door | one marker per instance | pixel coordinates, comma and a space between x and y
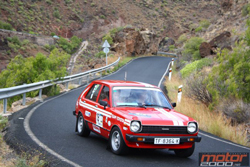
91, 104
103, 119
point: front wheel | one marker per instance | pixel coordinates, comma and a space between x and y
117, 143
184, 153
82, 129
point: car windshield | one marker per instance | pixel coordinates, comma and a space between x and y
139, 97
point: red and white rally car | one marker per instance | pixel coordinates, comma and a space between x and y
134, 114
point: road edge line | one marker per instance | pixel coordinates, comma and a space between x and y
37, 141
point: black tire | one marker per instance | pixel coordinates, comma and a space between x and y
116, 142
81, 127
184, 153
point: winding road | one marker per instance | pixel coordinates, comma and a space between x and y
48, 127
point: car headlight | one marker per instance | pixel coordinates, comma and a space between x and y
135, 126
192, 127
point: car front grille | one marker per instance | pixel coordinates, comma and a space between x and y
165, 129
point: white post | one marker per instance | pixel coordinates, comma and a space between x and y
179, 94
172, 62
106, 59
170, 74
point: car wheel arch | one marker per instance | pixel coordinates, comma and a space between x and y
83, 119
120, 131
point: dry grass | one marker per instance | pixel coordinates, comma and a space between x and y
1, 108
209, 121
7, 157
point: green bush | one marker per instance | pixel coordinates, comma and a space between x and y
108, 38
33, 69
204, 23
231, 78
198, 29
69, 46
195, 66
5, 26
3, 122
191, 48
182, 38
56, 14
111, 34
100, 54
245, 10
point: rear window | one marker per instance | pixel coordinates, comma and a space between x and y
93, 92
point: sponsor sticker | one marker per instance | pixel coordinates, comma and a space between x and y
96, 128
87, 113
120, 119
224, 159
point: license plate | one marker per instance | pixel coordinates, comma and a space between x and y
167, 141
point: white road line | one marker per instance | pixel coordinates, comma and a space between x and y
121, 68
224, 141
37, 141
164, 75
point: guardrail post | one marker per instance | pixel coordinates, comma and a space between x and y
80, 81
67, 85
24, 99
40, 94
88, 79
4, 106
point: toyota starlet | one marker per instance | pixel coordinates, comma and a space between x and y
134, 115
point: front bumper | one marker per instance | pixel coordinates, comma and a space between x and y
150, 139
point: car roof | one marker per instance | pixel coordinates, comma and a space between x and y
113, 83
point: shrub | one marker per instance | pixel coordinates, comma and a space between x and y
100, 54
34, 69
171, 47
204, 23
231, 78
192, 48
245, 10
3, 122
5, 26
236, 109
56, 14
195, 66
49, 2
182, 38
198, 29
196, 88
108, 38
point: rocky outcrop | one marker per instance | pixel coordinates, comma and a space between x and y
205, 49
132, 42
165, 43
222, 41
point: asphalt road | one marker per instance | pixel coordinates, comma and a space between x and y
51, 126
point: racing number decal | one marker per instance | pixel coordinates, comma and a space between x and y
99, 119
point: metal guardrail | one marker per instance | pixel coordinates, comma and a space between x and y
6, 93
166, 53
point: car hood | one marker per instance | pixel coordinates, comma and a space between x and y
155, 116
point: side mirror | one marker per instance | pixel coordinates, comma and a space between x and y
173, 104
103, 103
